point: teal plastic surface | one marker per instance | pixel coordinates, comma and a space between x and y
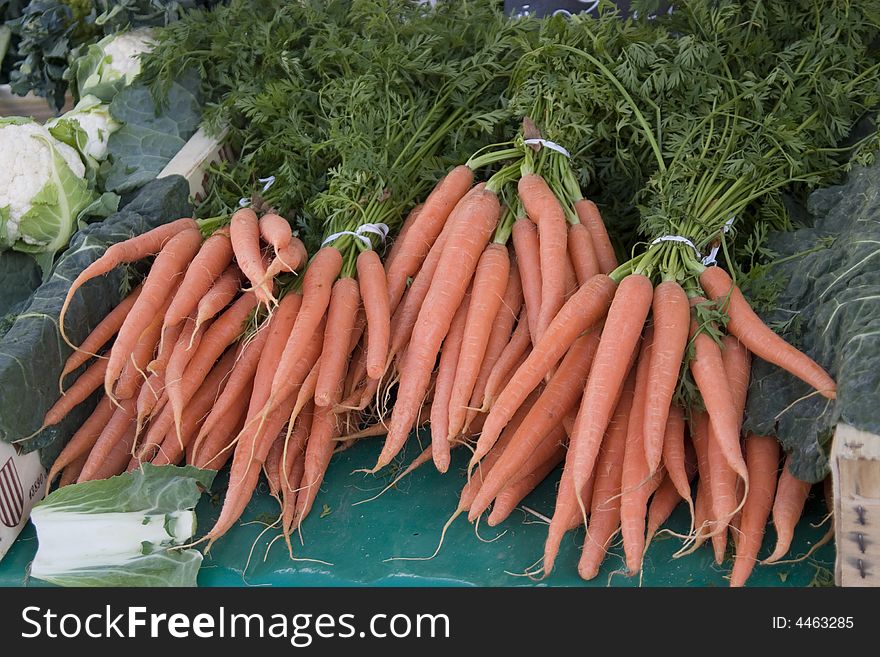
356, 542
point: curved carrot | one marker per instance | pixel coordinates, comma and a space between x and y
583, 309
674, 455
279, 328
490, 283
85, 385
426, 226
444, 384
167, 267
377, 306
345, 299
707, 368
762, 459
582, 254
316, 290
473, 221
637, 482
84, 438
72, 472
288, 258
606, 501
130, 250
499, 337
791, 496
244, 231
224, 290
671, 322
558, 398
293, 467
214, 256
737, 370
100, 335
528, 257
507, 363
150, 395
699, 432
514, 493
757, 336
112, 449
275, 231
213, 449
544, 209
589, 216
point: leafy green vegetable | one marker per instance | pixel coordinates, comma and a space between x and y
150, 136
826, 281
32, 352
121, 531
51, 33
21, 276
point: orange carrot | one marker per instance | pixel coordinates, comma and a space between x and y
242, 376
559, 397
762, 459
272, 467
674, 455
514, 493
400, 241
490, 283
244, 231
319, 451
620, 337
344, 302
288, 259
515, 349
293, 466
707, 368
167, 267
166, 348
85, 385
130, 250
472, 223
528, 257
275, 231
737, 370
209, 263
637, 482
171, 451
544, 209
377, 306
757, 336
788, 506
582, 254
605, 505
426, 226
699, 431
224, 290
112, 449
71, 473
671, 321
84, 438
444, 385
316, 291
589, 216
499, 337
584, 309
213, 449
100, 335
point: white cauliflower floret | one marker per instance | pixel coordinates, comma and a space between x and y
87, 126
26, 165
123, 50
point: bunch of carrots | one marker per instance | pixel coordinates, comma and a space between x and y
531, 354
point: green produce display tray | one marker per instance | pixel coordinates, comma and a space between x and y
406, 522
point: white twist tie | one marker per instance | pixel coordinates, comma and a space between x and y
712, 258
546, 143
244, 202
267, 182
679, 239
376, 229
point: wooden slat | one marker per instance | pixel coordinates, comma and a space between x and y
33, 106
192, 161
855, 468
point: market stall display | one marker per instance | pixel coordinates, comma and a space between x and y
575, 241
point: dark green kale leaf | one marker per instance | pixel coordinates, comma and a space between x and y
32, 352
827, 280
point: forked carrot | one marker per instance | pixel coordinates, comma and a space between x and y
244, 231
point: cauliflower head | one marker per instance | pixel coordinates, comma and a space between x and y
87, 127
112, 63
43, 189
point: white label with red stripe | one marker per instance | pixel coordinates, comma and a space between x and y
22, 483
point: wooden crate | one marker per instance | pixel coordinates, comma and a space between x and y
855, 469
33, 106
193, 160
